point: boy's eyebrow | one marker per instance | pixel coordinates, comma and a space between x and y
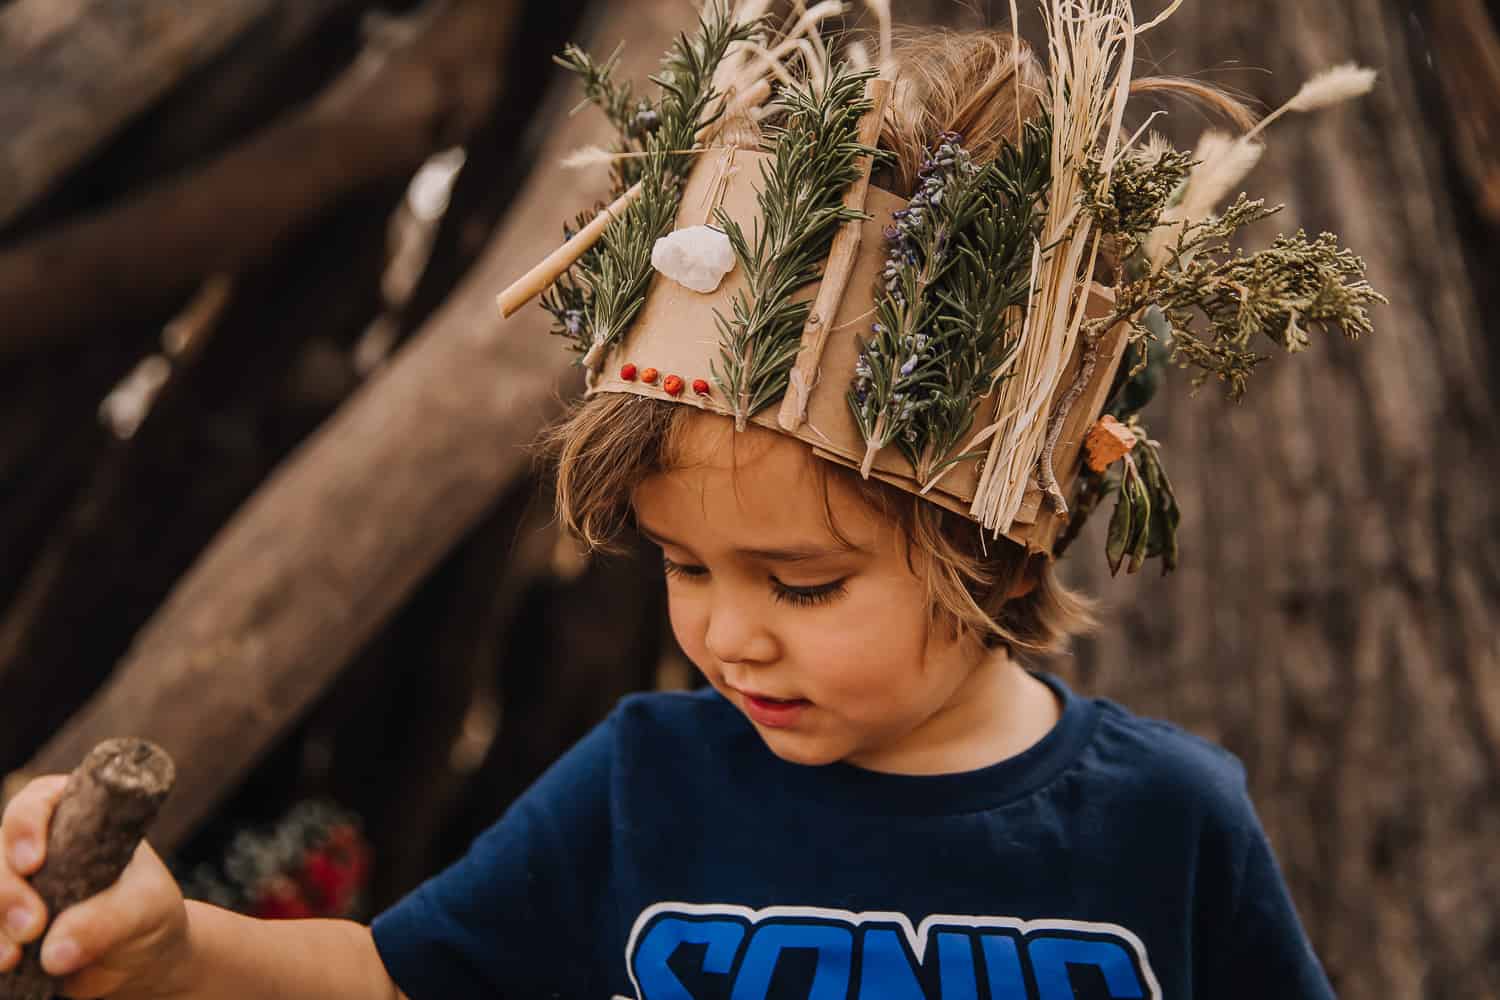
795, 553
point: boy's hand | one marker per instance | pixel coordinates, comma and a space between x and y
129, 941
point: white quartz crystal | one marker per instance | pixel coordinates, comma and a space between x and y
697, 257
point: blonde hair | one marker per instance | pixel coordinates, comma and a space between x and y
989, 590
981, 84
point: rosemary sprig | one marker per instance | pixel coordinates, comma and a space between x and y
608, 285
959, 264
632, 118
815, 145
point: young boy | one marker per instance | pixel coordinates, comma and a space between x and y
871, 798
861, 805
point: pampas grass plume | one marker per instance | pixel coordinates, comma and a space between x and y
587, 156
1333, 86
1223, 162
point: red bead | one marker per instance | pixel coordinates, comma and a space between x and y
700, 386
673, 385
627, 372
648, 375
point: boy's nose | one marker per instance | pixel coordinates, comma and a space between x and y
733, 636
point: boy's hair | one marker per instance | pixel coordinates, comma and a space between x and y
981, 84
608, 445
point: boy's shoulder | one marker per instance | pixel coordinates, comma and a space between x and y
1161, 761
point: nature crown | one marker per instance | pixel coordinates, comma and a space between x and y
953, 343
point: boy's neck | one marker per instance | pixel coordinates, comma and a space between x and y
1000, 711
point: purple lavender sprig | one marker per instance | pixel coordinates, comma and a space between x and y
957, 267
899, 373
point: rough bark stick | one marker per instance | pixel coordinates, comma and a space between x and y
74, 71
314, 563
418, 87
109, 802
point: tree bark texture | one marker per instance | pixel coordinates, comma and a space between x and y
74, 71
313, 565
426, 84
1332, 619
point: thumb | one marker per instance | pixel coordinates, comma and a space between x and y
120, 934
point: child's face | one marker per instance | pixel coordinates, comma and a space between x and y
826, 648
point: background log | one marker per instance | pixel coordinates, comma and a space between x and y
216, 406
374, 500
73, 71
1466, 49
280, 60
420, 86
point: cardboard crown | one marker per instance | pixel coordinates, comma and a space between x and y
676, 334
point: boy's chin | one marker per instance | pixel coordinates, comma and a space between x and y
799, 749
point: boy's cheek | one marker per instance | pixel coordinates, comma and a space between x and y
688, 626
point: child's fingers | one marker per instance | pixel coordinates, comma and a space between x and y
135, 909
23, 832
23, 828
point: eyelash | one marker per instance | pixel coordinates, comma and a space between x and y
801, 597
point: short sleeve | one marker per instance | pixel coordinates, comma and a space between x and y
1264, 950
505, 919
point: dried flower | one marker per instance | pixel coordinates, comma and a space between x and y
1330, 87
1333, 86
956, 264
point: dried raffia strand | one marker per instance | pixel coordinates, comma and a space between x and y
1091, 50
109, 802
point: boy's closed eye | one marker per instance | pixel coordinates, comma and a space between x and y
801, 595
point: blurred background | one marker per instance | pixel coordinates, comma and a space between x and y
265, 493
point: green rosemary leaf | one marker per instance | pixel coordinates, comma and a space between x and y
814, 141
958, 269
598, 301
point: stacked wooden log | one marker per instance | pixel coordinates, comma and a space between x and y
215, 242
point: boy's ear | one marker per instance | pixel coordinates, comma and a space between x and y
1028, 579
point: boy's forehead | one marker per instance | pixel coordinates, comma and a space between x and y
765, 486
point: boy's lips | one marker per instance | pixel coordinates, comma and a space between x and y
777, 713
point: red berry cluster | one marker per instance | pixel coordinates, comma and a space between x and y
315, 862
672, 385
327, 883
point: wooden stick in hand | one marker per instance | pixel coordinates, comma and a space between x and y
109, 802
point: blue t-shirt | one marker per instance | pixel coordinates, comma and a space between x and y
671, 856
